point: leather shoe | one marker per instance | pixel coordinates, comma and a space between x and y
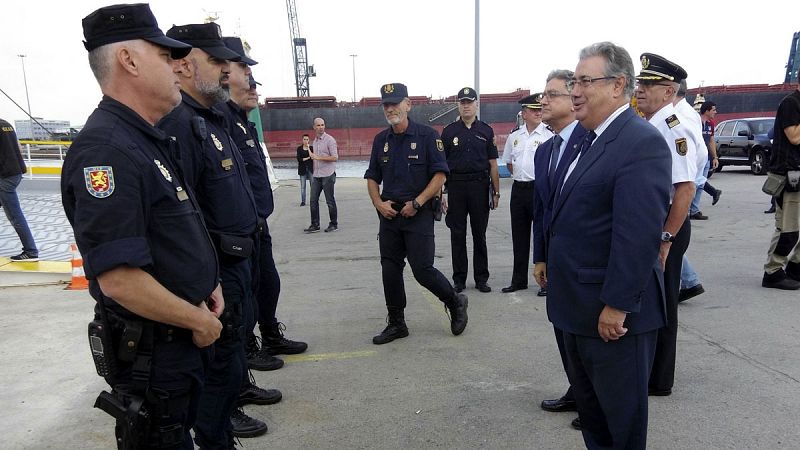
483, 287
542, 292
698, 216
715, 197
459, 287
576, 423
686, 294
513, 288
779, 280
458, 314
559, 405
254, 395
245, 426
771, 210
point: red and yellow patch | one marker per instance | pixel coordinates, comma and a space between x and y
99, 181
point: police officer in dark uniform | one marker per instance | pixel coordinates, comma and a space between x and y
214, 168
471, 152
149, 260
408, 159
244, 98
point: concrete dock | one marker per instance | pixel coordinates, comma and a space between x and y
737, 381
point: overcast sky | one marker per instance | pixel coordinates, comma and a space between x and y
426, 44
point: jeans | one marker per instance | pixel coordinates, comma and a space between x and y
695, 206
306, 177
10, 204
318, 185
689, 278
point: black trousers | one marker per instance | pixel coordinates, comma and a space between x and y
663, 375
411, 238
269, 285
468, 198
562, 352
521, 206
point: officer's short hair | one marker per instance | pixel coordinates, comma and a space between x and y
101, 60
706, 106
618, 62
682, 89
560, 74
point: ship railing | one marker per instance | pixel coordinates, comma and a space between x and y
442, 112
43, 158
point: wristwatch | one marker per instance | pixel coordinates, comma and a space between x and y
497, 193
416, 205
666, 236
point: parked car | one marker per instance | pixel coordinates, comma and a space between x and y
744, 142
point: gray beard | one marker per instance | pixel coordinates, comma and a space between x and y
213, 91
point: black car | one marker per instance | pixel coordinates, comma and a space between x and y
744, 142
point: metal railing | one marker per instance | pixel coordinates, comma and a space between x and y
43, 158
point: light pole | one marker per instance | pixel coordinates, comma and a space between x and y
354, 77
25, 78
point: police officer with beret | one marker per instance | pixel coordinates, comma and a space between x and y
471, 153
149, 260
408, 159
214, 169
658, 83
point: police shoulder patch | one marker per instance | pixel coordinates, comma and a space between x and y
672, 121
99, 181
439, 145
681, 146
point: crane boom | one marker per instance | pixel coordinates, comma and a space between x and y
302, 71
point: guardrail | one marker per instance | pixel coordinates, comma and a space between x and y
44, 158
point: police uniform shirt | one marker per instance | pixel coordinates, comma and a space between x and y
128, 206
405, 163
468, 150
245, 134
11, 162
689, 117
213, 167
683, 149
521, 147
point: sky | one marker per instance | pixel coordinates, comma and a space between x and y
426, 44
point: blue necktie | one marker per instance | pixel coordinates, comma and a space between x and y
551, 174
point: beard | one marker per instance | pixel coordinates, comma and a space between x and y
212, 90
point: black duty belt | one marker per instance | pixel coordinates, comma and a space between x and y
524, 184
469, 176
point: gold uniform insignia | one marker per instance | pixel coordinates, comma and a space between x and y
217, 142
388, 88
386, 147
645, 62
439, 145
455, 140
413, 146
494, 141
672, 121
681, 146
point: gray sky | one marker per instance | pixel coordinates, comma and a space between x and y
428, 45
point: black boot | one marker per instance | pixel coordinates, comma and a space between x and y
458, 313
273, 342
250, 394
779, 280
395, 329
258, 359
793, 271
245, 426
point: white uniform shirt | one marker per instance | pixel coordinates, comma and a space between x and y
691, 118
682, 147
521, 147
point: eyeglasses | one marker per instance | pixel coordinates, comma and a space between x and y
585, 81
552, 95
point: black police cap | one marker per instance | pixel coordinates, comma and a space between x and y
533, 101
235, 44
206, 37
657, 68
393, 93
467, 94
119, 23
253, 82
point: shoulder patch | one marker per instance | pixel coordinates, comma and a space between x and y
672, 121
681, 146
99, 180
439, 145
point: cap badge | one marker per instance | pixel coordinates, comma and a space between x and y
455, 141
163, 170
388, 88
413, 146
99, 181
217, 142
466, 91
386, 147
645, 62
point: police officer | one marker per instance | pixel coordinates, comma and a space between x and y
244, 98
149, 260
408, 159
214, 168
471, 154
658, 83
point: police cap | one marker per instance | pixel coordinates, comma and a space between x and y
393, 93
235, 44
533, 101
206, 37
658, 68
253, 82
119, 23
467, 94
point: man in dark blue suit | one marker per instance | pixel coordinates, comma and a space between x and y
550, 163
605, 283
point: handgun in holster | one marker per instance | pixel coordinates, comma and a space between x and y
133, 419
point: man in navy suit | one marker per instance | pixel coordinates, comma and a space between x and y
605, 283
550, 162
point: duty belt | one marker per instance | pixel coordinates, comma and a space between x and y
469, 176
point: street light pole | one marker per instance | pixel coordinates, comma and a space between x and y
25, 78
354, 77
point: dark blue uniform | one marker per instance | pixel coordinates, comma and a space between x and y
468, 151
405, 164
215, 169
128, 206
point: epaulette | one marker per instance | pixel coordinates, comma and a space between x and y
672, 121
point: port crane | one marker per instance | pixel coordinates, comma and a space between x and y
302, 71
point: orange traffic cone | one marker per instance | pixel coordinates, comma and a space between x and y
78, 276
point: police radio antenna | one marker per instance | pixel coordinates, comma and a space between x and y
302, 71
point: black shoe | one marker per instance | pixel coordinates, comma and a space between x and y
24, 257
458, 313
542, 292
686, 294
273, 342
793, 271
779, 280
302, 203
254, 395
331, 228
771, 210
311, 229
513, 288
659, 392
483, 287
258, 358
395, 330
576, 423
459, 287
716, 196
245, 426
698, 216
559, 405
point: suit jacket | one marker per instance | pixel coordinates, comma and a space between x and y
543, 193
605, 232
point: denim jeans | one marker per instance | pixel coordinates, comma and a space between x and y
689, 278
10, 204
695, 207
318, 185
307, 177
